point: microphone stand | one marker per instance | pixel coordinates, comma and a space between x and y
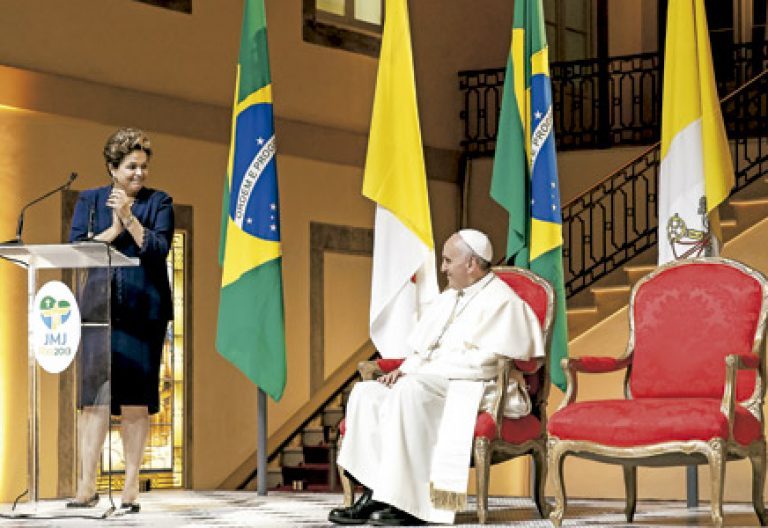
20, 224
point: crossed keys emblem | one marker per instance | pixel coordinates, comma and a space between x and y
690, 242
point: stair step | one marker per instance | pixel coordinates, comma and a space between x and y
582, 310
307, 473
637, 272
292, 456
749, 212
730, 228
274, 480
580, 319
610, 290
332, 417
756, 201
608, 299
304, 488
312, 436
344, 396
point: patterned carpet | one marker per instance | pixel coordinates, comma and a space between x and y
184, 508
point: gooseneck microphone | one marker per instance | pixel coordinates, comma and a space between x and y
91, 222
20, 225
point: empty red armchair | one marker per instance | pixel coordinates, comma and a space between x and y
694, 386
497, 438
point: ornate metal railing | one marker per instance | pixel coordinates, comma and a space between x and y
596, 103
616, 219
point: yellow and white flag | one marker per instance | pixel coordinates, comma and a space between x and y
696, 172
404, 278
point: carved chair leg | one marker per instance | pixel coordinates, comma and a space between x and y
482, 472
716, 458
630, 487
347, 487
757, 458
540, 480
556, 457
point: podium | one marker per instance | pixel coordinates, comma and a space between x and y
92, 263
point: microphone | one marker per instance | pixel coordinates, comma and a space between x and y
20, 225
91, 222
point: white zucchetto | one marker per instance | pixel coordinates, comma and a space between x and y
479, 243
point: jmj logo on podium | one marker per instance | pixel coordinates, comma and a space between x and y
55, 327
54, 312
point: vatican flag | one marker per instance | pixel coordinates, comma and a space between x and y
403, 279
696, 172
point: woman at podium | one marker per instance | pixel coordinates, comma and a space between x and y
137, 221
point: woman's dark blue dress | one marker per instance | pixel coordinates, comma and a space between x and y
141, 303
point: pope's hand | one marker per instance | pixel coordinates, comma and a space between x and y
390, 378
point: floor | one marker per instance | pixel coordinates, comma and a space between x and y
185, 508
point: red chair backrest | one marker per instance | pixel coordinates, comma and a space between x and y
685, 319
530, 288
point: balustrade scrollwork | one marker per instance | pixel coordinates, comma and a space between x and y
596, 103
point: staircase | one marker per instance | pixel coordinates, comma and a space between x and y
610, 230
302, 452
610, 294
308, 460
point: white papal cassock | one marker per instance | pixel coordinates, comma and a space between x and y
392, 432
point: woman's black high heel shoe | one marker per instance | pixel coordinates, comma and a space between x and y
87, 503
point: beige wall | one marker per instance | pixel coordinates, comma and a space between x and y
633, 27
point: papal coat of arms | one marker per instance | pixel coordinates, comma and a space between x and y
688, 242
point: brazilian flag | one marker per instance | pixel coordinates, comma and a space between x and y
251, 329
525, 167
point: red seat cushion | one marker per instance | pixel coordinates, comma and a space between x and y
647, 421
388, 365
514, 431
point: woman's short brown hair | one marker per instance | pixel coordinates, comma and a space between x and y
123, 142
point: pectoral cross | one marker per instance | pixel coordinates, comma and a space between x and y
436, 343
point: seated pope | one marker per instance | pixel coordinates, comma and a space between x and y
409, 434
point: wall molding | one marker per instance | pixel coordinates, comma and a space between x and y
115, 106
338, 239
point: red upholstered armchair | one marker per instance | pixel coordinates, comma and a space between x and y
498, 439
694, 385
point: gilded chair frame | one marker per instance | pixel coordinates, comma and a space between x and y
487, 452
714, 452
484, 451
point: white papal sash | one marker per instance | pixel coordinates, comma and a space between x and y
450, 461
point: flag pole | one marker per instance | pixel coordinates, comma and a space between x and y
261, 453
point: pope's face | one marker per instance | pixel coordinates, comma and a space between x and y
457, 264
130, 174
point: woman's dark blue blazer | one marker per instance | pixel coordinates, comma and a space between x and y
140, 293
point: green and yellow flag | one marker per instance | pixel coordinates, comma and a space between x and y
251, 330
525, 167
